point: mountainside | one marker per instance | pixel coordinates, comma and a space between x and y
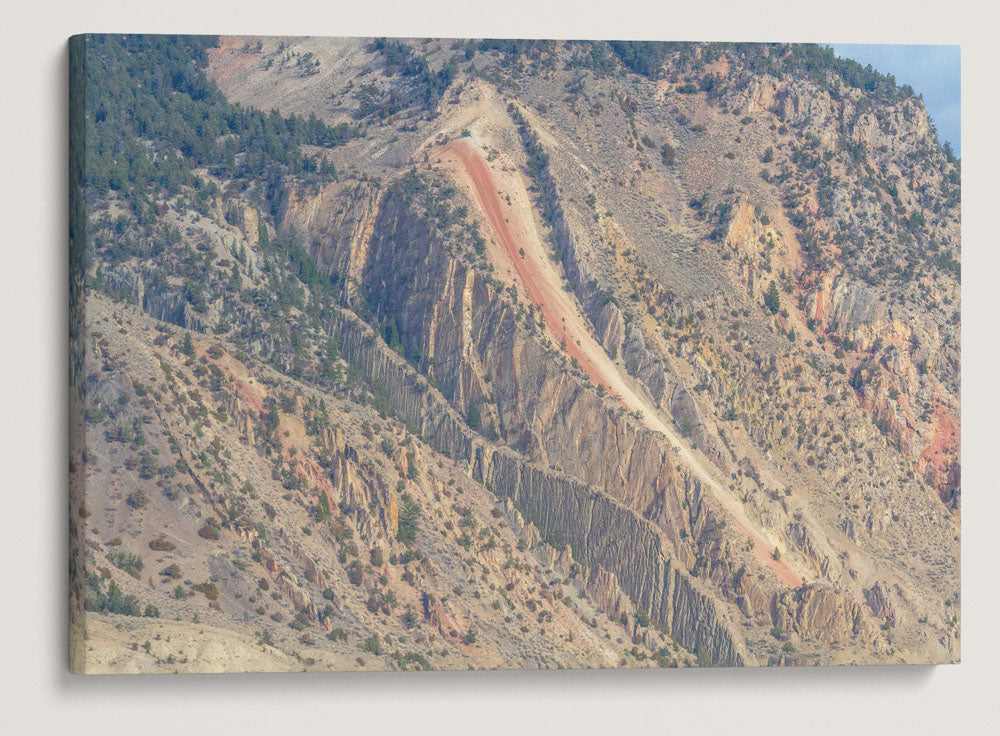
446, 354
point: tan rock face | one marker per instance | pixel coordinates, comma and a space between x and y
824, 614
592, 459
880, 603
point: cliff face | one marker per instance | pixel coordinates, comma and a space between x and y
252, 504
335, 220
453, 324
907, 346
591, 487
594, 526
592, 523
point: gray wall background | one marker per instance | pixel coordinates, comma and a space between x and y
39, 696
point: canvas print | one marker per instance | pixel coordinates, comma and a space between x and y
418, 354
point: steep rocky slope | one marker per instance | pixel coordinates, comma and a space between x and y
319, 533
653, 350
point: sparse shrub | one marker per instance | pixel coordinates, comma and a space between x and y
373, 644
409, 519
409, 617
323, 508
772, 300
668, 154
209, 590
356, 573
210, 530
472, 417
404, 660
130, 563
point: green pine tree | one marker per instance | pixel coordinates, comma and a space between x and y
323, 512
772, 300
